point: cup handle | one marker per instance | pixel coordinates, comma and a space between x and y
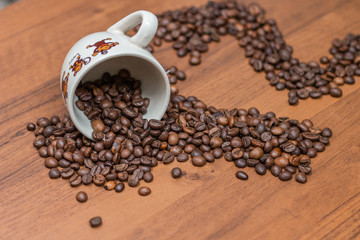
149, 24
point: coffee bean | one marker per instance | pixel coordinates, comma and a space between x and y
51, 162
155, 124
98, 125
285, 176
67, 173
75, 180
134, 180
209, 157
290, 169
95, 222
281, 161
198, 161
144, 191
335, 92
240, 163
312, 152
99, 180
218, 153
176, 172
98, 135
168, 158
260, 169
275, 170
123, 176
301, 177
182, 157
194, 60
242, 175
81, 196
54, 173
86, 179
119, 187
31, 127
326, 132
173, 139
256, 153
148, 177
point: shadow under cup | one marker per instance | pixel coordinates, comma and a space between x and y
154, 86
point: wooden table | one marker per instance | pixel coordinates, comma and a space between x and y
208, 203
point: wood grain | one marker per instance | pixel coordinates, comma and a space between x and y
208, 203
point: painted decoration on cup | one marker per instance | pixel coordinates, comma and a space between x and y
102, 46
64, 84
76, 67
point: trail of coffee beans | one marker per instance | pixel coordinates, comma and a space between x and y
192, 29
127, 146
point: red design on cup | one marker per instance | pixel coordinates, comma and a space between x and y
76, 67
102, 47
64, 84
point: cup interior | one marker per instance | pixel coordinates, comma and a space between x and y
154, 85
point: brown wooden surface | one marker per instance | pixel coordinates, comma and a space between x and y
208, 203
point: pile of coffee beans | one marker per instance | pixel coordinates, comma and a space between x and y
127, 146
191, 30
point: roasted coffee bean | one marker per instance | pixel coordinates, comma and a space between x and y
218, 153
134, 180
51, 162
173, 139
75, 181
301, 177
240, 163
281, 161
168, 158
326, 132
256, 153
155, 124
252, 162
148, 177
31, 127
123, 176
97, 135
39, 142
335, 92
285, 176
99, 179
260, 169
241, 175
119, 187
144, 191
67, 173
176, 172
312, 152
209, 157
290, 169
54, 173
81, 196
198, 161
95, 222
86, 179
275, 170
182, 157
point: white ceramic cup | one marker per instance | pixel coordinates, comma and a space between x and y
111, 51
